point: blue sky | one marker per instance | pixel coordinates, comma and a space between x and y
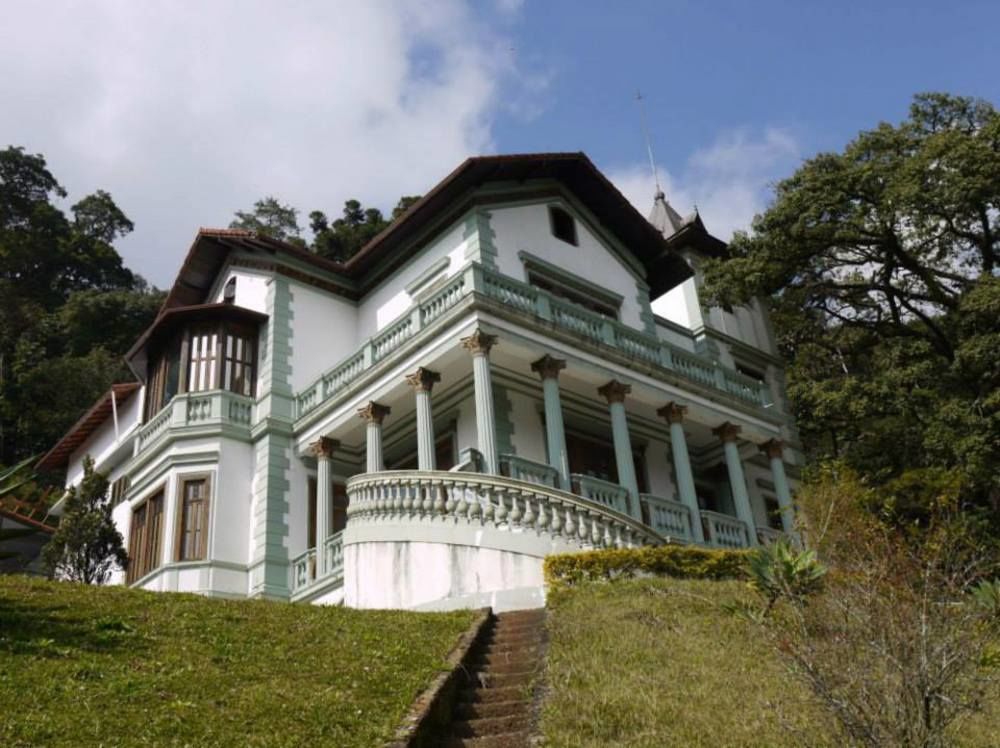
821, 70
187, 113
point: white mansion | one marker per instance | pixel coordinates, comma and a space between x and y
483, 384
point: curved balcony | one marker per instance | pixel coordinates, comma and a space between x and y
432, 539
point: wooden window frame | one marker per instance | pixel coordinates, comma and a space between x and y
148, 556
206, 511
118, 490
181, 346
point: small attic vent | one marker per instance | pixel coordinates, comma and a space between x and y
563, 225
229, 292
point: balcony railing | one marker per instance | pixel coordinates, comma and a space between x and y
309, 569
216, 407
529, 471
600, 491
668, 517
496, 501
724, 531
531, 301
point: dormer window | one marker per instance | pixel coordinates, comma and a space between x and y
229, 291
563, 225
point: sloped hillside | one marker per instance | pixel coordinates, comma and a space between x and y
87, 666
659, 662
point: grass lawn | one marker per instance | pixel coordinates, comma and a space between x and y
86, 666
657, 662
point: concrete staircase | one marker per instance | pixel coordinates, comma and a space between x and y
495, 710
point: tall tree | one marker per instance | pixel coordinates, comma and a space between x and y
880, 265
272, 218
86, 547
61, 280
357, 226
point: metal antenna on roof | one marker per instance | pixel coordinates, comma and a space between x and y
649, 143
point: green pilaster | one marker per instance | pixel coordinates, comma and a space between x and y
481, 237
273, 448
646, 315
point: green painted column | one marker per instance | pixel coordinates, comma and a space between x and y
322, 449
548, 369
674, 415
479, 345
728, 433
774, 449
614, 392
374, 413
422, 381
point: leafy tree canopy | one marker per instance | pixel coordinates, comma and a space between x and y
339, 240
881, 264
61, 280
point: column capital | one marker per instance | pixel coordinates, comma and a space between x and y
374, 412
479, 342
773, 448
423, 380
614, 391
727, 432
673, 412
323, 447
548, 367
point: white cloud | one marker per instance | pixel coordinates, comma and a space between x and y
186, 112
728, 180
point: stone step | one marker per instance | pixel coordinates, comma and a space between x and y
518, 739
528, 614
514, 666
472, 710
492, 695
476, 728
533, 638
518, 628
503, 680
505, 656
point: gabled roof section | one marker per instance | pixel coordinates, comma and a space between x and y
684, 232
443, 204
89, 422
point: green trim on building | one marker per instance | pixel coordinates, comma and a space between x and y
481, 237
273, 449
504, 423
646, 315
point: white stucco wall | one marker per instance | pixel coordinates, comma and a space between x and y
324, 331
251, 288
107, 449
526, 228
389, 300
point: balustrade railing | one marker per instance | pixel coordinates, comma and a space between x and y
667, 517
495, 501
309, 568
603, 492
529, 471
766, 535
194, 409
724, 531
527, 299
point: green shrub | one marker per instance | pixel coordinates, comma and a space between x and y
687, 562
780, 571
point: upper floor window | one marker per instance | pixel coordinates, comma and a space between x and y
205, 356
563, 225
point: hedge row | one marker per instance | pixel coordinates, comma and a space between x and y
688, 562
